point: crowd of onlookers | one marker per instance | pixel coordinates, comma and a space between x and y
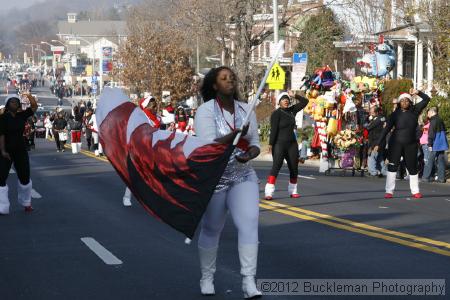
432, 164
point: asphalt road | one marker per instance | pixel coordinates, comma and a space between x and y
340, 228
46, 98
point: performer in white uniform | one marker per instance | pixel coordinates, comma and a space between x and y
97, 145
219, 119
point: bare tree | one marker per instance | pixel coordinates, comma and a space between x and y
436, 14
236, 27
363, 17
154, 58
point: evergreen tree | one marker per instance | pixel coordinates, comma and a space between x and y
317, 37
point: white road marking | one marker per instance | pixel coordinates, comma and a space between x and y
300, 176
383, 207
103, 253
35, 194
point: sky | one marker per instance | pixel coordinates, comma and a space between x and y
8, 4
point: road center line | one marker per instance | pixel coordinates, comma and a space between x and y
357, 230
103, 253
300, 176
360, 225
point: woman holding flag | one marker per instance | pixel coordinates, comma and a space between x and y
219, 120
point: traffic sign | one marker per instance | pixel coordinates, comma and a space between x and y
300, 58
277, 78
299, 63
57, 48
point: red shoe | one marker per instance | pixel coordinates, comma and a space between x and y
268, 198
417, 195
388, 196
28, 208
295, 196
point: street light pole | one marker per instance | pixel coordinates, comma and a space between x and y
58, 41
93, 56
53, 56
54, 62
32, 52
32, 55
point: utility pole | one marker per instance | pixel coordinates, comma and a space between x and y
275, 37
275, 22
198, 56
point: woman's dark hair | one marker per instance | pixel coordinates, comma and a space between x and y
207, 89
180, 109
9, 100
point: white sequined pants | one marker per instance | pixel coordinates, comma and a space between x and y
242, 201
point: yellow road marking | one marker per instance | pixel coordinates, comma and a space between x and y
356, 230
362, 225
87, 153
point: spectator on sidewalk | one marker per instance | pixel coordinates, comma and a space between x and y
375, 127
437, 145
303, 153
423, 159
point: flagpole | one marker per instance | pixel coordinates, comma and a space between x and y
258, 93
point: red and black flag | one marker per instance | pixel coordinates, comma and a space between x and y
172, 175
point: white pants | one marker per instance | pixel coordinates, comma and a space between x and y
242, 201
96, 142
48, 132
95, 137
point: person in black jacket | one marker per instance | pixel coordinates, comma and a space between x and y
59, 127
375, 128
403, 141
437, 145
14, 151
283, 143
